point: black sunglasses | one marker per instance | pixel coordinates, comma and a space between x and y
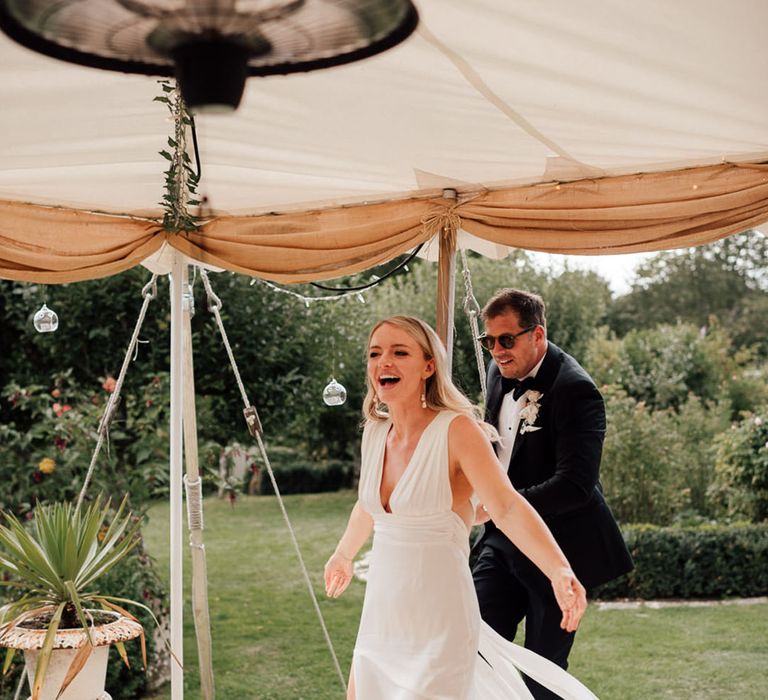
506, 340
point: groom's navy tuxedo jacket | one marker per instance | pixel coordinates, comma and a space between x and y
557, 469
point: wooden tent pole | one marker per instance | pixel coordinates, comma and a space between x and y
446, 283
194, 503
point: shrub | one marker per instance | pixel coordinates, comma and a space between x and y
696, 426
142, 433
638, 482
308, 478
659, 464
710, 561
293, 472
45, 446
741, 468
137, 579
663, 365
48, 442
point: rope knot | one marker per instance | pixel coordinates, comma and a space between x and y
442, 218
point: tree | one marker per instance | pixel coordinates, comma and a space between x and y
662, 366
286, 349
727, 279
577, 303
96, 319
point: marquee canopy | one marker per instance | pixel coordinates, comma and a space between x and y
597, 126
571, 127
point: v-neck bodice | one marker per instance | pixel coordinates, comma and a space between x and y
424, 487
406, 469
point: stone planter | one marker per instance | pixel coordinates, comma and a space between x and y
89, 683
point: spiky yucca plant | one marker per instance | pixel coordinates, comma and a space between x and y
55, 565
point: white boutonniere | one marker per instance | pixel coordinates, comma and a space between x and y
530, 412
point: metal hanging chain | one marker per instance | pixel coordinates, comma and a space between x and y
472, 310
149, 292
254, 427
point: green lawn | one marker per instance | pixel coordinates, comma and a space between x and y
268, 644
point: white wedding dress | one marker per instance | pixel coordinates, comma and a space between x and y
421, 636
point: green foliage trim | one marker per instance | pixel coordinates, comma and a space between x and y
181, 180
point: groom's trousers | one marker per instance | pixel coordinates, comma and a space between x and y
510, 591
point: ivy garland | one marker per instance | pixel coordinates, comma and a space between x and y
181, 180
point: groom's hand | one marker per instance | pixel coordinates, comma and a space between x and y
572, 599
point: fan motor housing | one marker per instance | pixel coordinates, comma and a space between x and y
211, 74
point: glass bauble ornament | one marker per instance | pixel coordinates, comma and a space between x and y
334, 394
45, 320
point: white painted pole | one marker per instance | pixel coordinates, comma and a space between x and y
177, 506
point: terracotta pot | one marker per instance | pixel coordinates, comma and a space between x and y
89, 683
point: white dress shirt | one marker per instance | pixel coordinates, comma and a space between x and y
509, 420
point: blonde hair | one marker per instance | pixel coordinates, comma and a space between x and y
440, 393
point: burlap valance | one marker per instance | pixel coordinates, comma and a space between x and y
599, 216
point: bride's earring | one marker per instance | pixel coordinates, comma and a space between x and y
424, 398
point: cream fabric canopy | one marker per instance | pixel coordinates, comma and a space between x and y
575, 127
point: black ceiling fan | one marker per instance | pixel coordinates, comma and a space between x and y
210, 46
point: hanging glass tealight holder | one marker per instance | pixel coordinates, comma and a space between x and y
45, 320
334, 393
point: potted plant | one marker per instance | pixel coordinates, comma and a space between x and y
59, 619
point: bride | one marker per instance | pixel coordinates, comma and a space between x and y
425, 453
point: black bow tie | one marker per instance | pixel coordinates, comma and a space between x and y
516, 386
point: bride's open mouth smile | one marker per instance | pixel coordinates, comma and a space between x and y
386, 380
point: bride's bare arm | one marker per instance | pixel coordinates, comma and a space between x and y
514, 516
338, 569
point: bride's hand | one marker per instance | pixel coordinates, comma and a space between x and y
338, 574
571, 597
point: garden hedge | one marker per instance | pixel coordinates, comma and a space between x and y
308, 478
706, 561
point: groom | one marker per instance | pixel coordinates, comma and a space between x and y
551, 425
